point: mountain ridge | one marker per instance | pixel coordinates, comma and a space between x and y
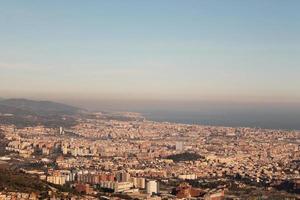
38, 107
24, 112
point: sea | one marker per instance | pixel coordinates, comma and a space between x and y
268, 117
257, 115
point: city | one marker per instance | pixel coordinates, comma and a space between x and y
123, 155
150, 100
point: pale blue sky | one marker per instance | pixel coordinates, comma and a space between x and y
157, 49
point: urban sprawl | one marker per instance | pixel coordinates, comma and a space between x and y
103, 158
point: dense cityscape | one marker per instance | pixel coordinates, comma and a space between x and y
125, 156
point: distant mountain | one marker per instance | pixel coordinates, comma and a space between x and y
37, 107
24, 112
4, 109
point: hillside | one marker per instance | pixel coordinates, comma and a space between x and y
5, 109
3, 143
16, 181
38, 107
186, 156
24, 112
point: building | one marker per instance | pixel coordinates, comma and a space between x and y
84, 188
116, 186
184, 190
123, 177
179, 146
152, 187
123, 186
58, 180
138, 182
61, 131
141, 183
187, 176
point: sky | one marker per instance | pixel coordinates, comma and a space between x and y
133, 51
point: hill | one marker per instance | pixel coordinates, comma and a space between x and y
24, 112
39, 107
186, 156
5, 109
3, 143
16, 181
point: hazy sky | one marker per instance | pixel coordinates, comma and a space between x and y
156, 49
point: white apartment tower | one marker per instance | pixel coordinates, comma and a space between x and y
152, 187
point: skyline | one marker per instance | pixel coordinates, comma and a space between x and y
151, 51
